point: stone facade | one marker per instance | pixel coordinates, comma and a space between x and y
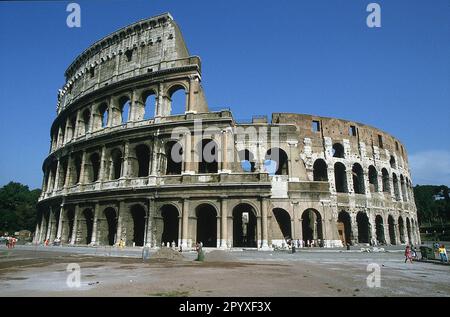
111, 174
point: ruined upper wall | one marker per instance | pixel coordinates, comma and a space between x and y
149, 45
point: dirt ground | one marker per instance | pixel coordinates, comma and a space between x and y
44, 273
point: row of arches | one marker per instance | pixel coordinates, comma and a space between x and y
119, 111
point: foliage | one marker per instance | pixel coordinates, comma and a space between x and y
433, 204
18, 207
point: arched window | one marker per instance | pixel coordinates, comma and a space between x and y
208, 154
358, 179
149, 100
276, 162
340, 178
94, 161
142, 153
320, 171
76, 176
396, 189
174, 156
86, 117
373, 179
103, 112
72, 128
177, 100
403, 187
338, 150
247, 160
392, 162
385, 175
124, 104
116, 164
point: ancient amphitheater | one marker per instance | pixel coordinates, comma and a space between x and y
128, 164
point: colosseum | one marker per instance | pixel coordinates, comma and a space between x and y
128, 165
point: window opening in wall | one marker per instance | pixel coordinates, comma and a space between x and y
352, 130
396, 145
380, 141
315, 126
129, 55
92, 72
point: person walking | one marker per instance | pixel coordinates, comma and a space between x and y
408, 255
443, 254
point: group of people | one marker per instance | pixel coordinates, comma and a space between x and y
411, 252
305, 243
10, 242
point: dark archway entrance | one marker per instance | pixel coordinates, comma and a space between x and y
138, 215
170, 217
401, 229
70, 221
206, 225
88, 225
363, 227
344, 225
284, 222
244, 226
111, 220
312, 226
379, 229
408, 230
391, 225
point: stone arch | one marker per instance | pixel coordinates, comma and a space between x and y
149, 99
408, 230
396, 187
206, 215
85, 122
362, 220
320, 171
373, 179
276, 162
141, 165
170, 223
401, 229
125, 109
338, 150
138, 216
391, 224
75, 176
104, 115
247, 160
386, 185
181, 90
86, 224
208, 151
392, 162
358, 179
115, 166
283, 220
340, 178
403, 188
108, 226
174, 157
312, 227
244, 225
379, 229
93, 168
344, 226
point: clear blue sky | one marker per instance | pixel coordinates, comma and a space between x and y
258, 57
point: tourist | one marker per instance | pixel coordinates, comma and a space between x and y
408, 254
443, 254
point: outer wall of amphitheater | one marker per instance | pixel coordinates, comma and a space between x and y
111, 174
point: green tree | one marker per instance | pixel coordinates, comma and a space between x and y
18, 207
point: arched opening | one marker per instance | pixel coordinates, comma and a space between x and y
62, 134
116, 164
401, 229
247, 160
385, 175
174, 156
363, 227
284, 222
344, 226
53, 168
373, 179
392, 162
403, 187
338, 150
76, 170
103, 112
379, 229
358, 179
138, 215
169, 213
276, 162
396, 189
206, 225
111, 222
312, 227
208, 152
62, 172
88, 224
391, 224
149, 99
340, 178
244, 226
408, 230
94, 160
70, 223
142, 153
177, 100
86, 117
320, 171
72, 128
125, 107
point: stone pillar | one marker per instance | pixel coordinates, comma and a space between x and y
49, 224
224, 218
68, 172
92, 117
60, 221
297, 225
42, 228
185, 220
83, 167
49, 181
125, 160
264, 235
94, 225
387, 237
55, 185
149, 239
44, 181
225, 158
354, 227
155, 155
193, 87
73, 239
120, 214
101, 172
